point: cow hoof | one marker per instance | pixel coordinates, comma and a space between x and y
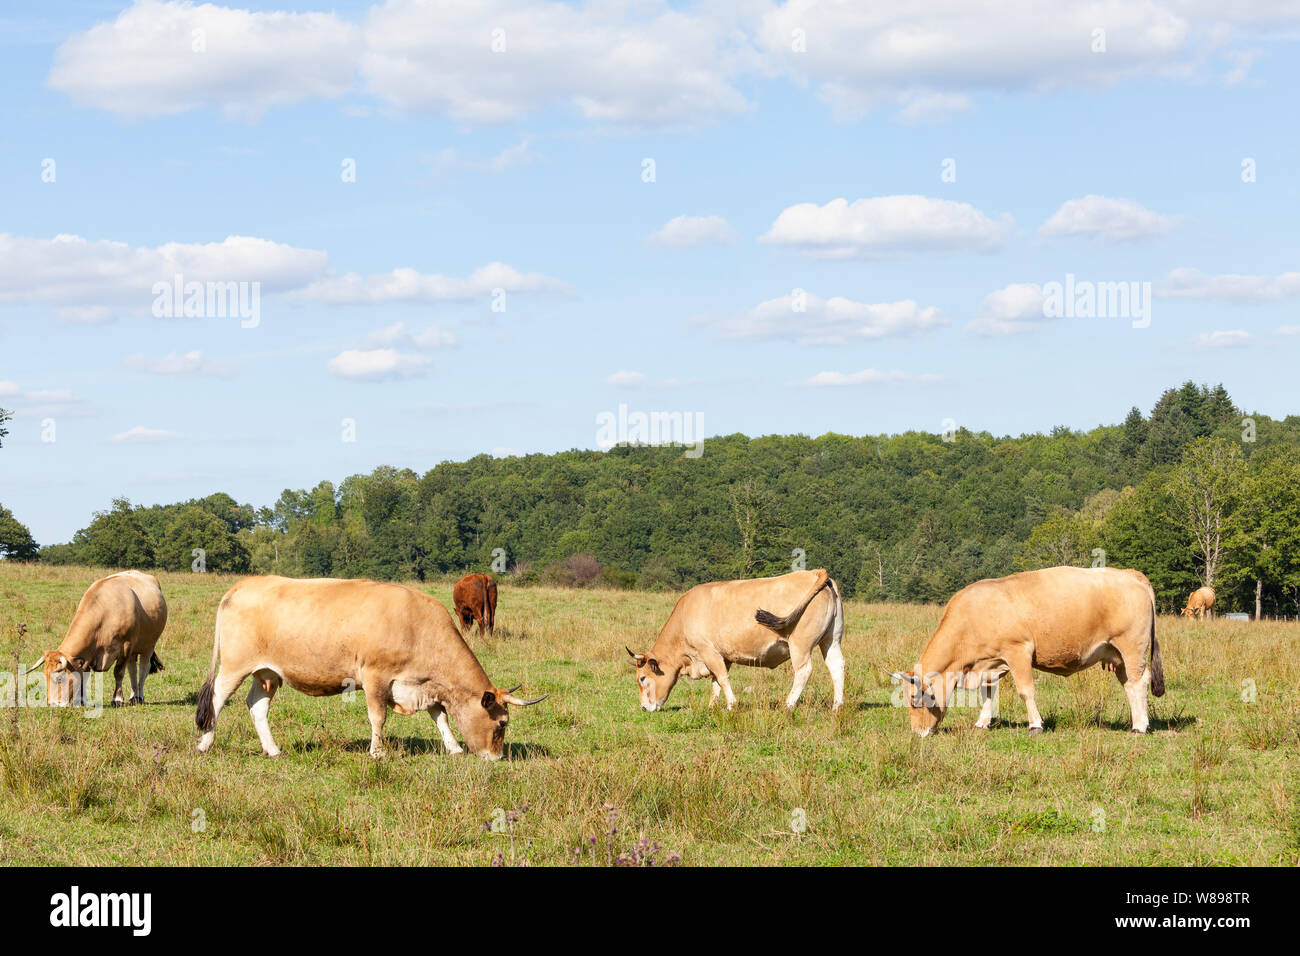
1035, 730
1136, 731
118, 703
271, 753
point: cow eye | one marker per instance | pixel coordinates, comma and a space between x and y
642, 680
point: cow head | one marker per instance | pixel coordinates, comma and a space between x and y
654, 680
1189, 611
63, 677
482, 720
926, 701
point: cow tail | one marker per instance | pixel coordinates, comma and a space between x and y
1157, 664
155, 665
770, 620
205, 717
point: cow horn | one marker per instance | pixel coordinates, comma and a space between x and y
39, 665
510, 698
634, 655
515, 688
903, 676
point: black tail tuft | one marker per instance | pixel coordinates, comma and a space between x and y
204, 717
155, 665
768, 619
1157, 665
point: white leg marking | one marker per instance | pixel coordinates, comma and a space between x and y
259, 704
444, 728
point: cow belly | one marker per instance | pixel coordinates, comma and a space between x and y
773, 654
1066, 662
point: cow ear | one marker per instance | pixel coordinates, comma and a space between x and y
654, 666
489, 699
80, 665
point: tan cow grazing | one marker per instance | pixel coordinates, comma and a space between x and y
117, 624
716, 625
327, 636
1200, 603
1058, 620
475, 599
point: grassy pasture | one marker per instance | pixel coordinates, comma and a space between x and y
1217, 782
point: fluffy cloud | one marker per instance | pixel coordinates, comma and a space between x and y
1228, 339
378, 365
1191, 284
159, 58
870, 376
73, 272
685, 231
408, 285
1011, 310
1116, 220
139, 435
906, 53
175, 363
626, 378
810, 320
886, 224
642, 64
398, 334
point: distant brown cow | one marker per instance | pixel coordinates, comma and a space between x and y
1200, 603
475, 597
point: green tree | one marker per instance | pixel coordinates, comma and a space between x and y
117, 538
16, 541
195, 529
5, 416
1204, 490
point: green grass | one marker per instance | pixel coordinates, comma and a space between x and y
1218, 782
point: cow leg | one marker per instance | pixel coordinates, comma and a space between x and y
444, 728
139, 670
1135, 689
801, 661
989, 709
834, 656
377, 707
226, 683
717, 688
718, 668
265, 684
118, 670
1022, 672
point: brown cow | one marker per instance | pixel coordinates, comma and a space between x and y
1200, 603
117, 624
722, 623
1060, 620
475, 598
327, 636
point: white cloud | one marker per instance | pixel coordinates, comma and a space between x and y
834, 321
175, 363
1233, 338
870, 376
9, 388
905, 53
378, 365
933, 107
139, 435
626, 378
443, 164
1011, 310
73, 272
887, 224
641, 64
1288, 330
685, 231
144, 63
85, 315
1191, 284
398, 334
1116, 220
408, 285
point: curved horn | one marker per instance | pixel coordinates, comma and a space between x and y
903, 676
633, 654
515, 688
512, 699
39, 665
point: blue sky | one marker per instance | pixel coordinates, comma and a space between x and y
522, 170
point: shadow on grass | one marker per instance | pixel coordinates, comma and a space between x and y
421, 746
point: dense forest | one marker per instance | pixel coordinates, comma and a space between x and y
1196, 492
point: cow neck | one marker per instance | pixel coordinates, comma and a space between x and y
670, 649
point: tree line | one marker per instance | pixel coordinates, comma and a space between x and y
1195, 492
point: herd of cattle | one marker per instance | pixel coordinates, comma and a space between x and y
404, 650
